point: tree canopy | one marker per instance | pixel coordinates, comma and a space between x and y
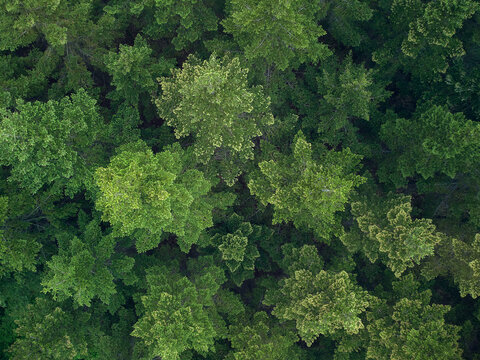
239, 179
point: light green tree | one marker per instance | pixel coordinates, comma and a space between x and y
262, 338
318, 301
145, 194
411, 328
212, 101
174, 314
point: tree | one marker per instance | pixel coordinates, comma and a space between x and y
60, 43
175, 316
461, 259
51, 144
342, 21
47, 331
146, 194
261, 338
319, 301
343, 92
18, 249
385, 230
50, 330
212, 101
86, 268
421, 36
411, 328
55, 20
185, 20
283, 33
434, 141
134, 70
431, 31
235, 246
305, 190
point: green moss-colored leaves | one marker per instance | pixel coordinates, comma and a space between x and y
50, 143
388, 232
212, 101
146, 194
305, 190
284, 33
175, 316
319, 301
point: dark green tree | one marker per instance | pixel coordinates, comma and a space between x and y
386, 231
434, 141
308, 190
51, 144
280, 33
235, 246
184, 21
86, 267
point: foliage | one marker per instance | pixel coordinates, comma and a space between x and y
239, 179
284, 33
304, 190
461, 259
212, 101
261, 338
436, 141
411, 328
51, 143
146, 194
47, 331
320, 302
236, 247
86, 268
186, 20
133, 70
387, 232
175, 316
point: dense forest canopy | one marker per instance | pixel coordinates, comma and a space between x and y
240, 179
